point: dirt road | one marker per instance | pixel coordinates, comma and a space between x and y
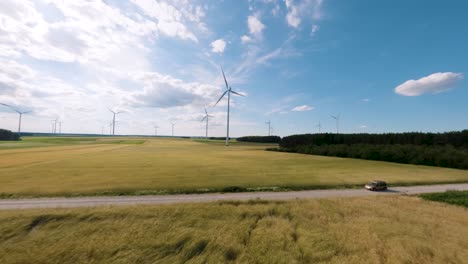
6, 204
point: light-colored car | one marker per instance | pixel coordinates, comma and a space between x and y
376, 186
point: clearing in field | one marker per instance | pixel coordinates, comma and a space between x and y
109, 166
391, 229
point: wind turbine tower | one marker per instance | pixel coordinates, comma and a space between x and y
337, 119
173, 124
54, 125
156, 130
269, 127
113, 120
319, 127
207, 116
20, 115
228, 92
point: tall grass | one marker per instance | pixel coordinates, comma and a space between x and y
359, 230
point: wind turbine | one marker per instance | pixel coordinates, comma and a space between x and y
54, 125
156, 130
228, 92
337, 119
60, 127
173, 124
20, 115
269, 127
319, 127
207, 116
113, 119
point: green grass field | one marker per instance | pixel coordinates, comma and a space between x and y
383, 229
109, 166
451, 197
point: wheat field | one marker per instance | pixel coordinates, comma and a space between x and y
74, 167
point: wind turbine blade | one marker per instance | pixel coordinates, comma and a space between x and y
203, 118
225, 81
221, 97
110, 110
5, 105
206, 112
237, 93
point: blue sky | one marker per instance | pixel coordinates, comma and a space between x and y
384, 66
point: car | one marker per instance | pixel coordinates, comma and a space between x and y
377, 185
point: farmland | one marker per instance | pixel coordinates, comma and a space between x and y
115, 166
390, 229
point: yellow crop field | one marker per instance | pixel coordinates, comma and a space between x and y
151, 166
390, 229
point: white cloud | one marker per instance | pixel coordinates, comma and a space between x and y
315, 29
366, 100
302, 108
246, 39
171, 19
304, 9
434, 83
218, 46
163, 91
255, 25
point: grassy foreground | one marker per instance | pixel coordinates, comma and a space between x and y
390, 229
113, 166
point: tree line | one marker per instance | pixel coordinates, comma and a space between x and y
448, 149
260, 139
456, 139
8, 135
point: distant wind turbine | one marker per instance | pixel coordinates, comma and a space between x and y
269, 127
319, 127
207, 116
54, 125
113, 119
20, 115
228, 92
60, 127
156, 130
173, 124
337, 119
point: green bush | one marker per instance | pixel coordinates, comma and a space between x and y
8, 135
260, 139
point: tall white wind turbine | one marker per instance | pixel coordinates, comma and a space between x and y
20, 115
173, 124
228, 92
207, 116
113, 119
156, 130
337, 119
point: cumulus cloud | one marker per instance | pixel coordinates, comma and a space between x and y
302, 108
246, 39
255, 25
315, 29
218, 46
302, 9
163, 91
434, 83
